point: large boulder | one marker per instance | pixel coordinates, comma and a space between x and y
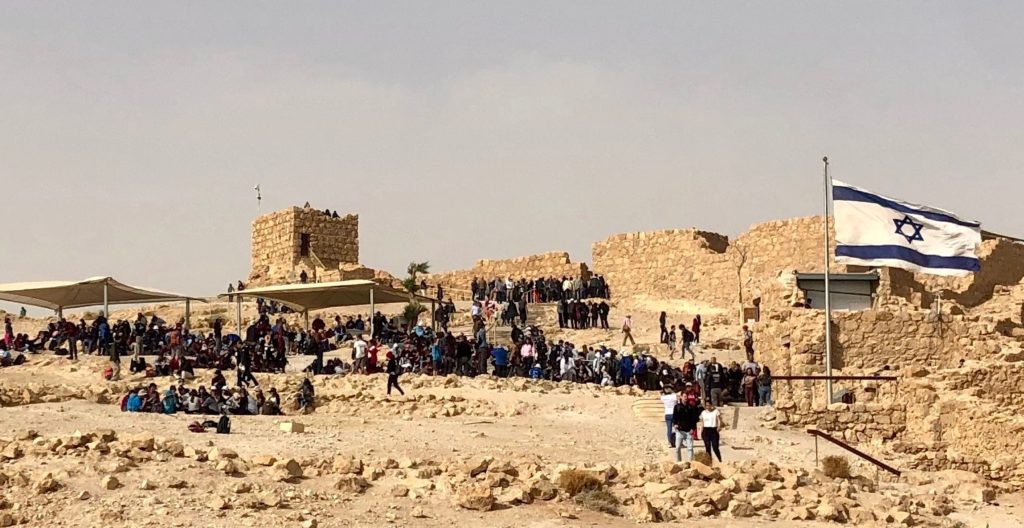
475, 497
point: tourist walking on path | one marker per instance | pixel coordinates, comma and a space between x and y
669, 399
685, 416
696, 328
392, 370
709, 421
663, 338
627, 331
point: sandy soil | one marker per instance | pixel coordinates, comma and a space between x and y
549, 424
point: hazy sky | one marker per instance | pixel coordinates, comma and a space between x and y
131, 135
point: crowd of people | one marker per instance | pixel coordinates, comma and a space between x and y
692, 391
538, 290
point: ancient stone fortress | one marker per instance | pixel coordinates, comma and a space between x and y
915, 327
285, 243
956, 345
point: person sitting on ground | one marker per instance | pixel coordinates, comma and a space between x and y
135, 400
254, 402
193, 403
219, 381
137, 365
272, 406
170, 401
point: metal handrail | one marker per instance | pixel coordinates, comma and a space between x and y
820, 434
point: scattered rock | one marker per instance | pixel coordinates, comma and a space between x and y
218, 503
263, 460
346, 465
286, 470
110, 482
351, 484
643, 511
221, 453
293, 427
475, 497
143, 441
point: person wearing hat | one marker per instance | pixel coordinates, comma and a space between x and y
627, 331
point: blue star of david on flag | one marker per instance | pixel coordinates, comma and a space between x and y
906, 221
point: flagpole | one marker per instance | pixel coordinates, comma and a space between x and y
828, 298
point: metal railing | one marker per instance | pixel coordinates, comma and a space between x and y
878, 463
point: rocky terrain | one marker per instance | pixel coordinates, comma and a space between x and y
454, 451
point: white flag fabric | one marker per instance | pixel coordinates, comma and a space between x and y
874, 230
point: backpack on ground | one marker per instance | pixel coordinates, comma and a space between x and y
224, 425
196, 427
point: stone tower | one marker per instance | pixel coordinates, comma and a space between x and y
285, 243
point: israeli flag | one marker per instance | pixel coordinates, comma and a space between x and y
873, 230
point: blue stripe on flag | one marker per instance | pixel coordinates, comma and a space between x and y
857, 195
909, 255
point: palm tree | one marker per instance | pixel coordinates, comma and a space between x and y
413, 309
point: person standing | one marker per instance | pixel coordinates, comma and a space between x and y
627, 331
662, 319
696, 328
716, 381
115, 363
700, 373
244, 367
359, 354
749, 381
709, 421
392, 369
672, 342
669, 400
70, 332
764, 386
685, 416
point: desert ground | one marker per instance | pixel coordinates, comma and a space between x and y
450, 452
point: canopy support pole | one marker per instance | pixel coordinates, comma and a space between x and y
106, 304
238, 314
305, 315
433, 316
372, 319
60, 312
188, 312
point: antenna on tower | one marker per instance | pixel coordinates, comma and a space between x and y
259, 198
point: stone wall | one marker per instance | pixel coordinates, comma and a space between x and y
456, 284
277, 242
707, 267
871, 339
673, 264
857, 423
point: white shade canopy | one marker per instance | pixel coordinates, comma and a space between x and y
57, 295
316, 296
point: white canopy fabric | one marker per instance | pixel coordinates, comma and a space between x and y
316, 296
57, 295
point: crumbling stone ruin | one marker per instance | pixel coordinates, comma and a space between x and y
955, 344
285, 243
